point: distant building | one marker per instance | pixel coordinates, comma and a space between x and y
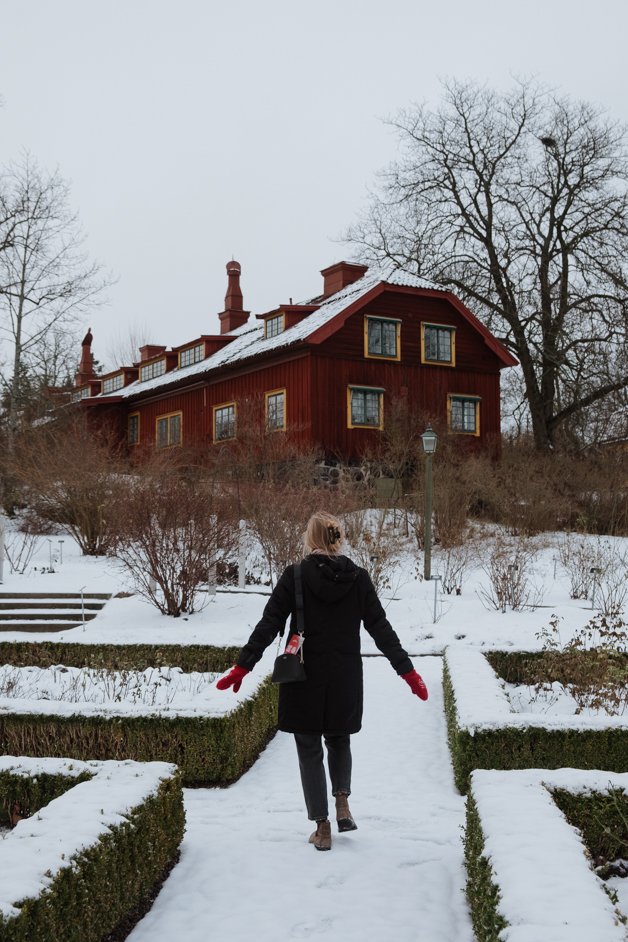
326, 369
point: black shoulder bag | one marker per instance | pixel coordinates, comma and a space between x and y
288, 667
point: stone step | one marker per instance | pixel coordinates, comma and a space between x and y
38, 626
68, 605
105, 596
45, 616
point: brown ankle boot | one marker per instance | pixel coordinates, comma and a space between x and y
321, 838
344, 818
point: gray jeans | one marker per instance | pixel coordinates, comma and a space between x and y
313, 780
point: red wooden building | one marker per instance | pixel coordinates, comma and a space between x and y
327, 368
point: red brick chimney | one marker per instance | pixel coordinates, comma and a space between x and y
338, 276
150, 350
233, 315
86, 366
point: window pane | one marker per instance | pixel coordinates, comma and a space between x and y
175, 430
365, 407
225, 423
162, 433
275, 415
438, 344
134, 429
463, 415
382, 338
444, 346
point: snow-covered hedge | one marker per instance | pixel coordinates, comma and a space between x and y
484, 732
213, 739
89, 862
529, 871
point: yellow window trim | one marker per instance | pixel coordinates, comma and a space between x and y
130, 416
169, 415
358, 388
192, 346
452, 331
382, 356
147, 363
224, 405
468, 396
275, 317
267, 395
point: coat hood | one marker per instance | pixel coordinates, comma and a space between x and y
329, 577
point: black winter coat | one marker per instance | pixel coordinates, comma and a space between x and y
337, 597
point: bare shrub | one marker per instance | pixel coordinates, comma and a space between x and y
592, 666
172, 529
509, 572
595, 567
70, 475
277, 516
454, 562
376, 545
20, 549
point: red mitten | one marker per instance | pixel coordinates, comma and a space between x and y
232, 679
415, 682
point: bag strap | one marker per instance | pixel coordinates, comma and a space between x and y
298, 592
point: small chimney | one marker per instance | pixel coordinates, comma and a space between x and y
86, 366
233, 315
150, 350
338, 276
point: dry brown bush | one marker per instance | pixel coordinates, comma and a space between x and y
71, 476
173, 527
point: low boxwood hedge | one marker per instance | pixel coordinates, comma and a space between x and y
139, 657
503, 745
101, 890
512, 883
209, 750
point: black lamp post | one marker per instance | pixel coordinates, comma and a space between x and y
430, 441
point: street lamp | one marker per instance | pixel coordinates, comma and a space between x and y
430, 440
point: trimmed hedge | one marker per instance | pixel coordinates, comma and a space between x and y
483, 892
208, 750
104, 888
600, 816
139, 657
509, 747
32, 793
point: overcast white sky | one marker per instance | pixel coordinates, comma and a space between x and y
192, 132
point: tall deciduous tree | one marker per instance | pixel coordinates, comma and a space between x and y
518, 202
46, 280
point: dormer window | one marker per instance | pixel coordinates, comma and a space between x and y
274, 325
192, 355
151, 370
438, 344
113, 383
382, 338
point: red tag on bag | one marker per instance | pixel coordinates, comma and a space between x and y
294, 644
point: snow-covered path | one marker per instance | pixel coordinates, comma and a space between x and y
247, 871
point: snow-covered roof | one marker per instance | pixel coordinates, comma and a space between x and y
250, 341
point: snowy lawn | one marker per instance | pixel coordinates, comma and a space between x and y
530, 875
52, 854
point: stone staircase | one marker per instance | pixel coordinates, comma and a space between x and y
48, 611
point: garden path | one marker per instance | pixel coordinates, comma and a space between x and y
247, 871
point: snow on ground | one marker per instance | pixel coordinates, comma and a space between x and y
246, 868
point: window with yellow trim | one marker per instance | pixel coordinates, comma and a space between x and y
224, 422
133, 429
168, 430
381, 337
276, 410
464, 414
438, 344
365, 407
192, 355
152, 370
274, 325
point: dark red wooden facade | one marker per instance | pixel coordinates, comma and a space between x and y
317, 371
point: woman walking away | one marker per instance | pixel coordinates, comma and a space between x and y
337, 597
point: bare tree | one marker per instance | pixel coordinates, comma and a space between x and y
46, 279
519, 203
